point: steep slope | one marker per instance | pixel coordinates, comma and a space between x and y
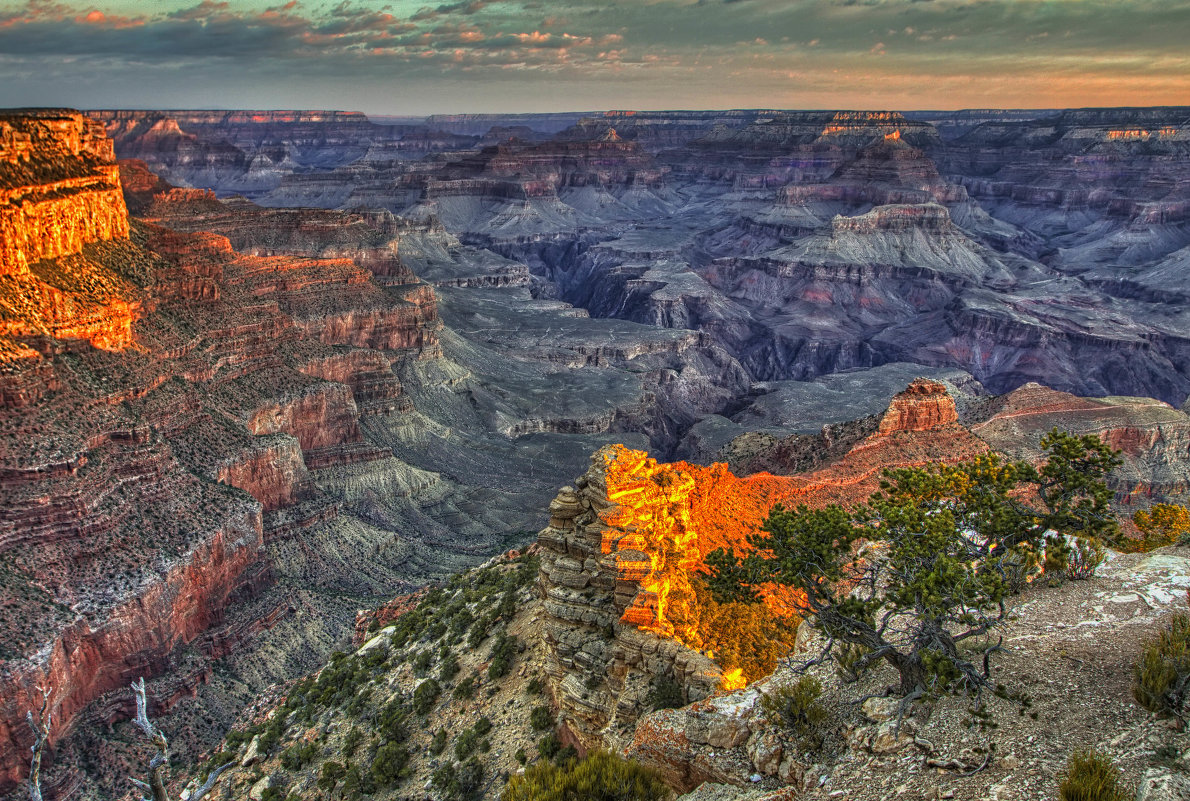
612, 615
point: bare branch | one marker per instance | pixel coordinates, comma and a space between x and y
210, 782
156, 783
41, 735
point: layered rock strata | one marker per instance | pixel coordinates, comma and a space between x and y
63, 233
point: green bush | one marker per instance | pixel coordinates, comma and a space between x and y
599, 777
464, 689
421, 662
502, 654
352, 741
448, 669
535, 686
298, 756
330, 775
425, 696
461, 783
390, 723
482, 726
1161, 679
391, 764
549, 746
1084, 559
1090, 776
797, 706
438, 744
466, 744
541, 718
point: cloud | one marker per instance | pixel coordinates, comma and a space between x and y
1000, 52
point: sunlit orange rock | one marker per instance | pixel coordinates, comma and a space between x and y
59, 194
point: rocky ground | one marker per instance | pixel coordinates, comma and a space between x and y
1068, 649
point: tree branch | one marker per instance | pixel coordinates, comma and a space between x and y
41, 735
156, 783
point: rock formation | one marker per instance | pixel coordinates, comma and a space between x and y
63, 233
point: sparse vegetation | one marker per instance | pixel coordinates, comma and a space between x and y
378, 749
1091, 776
798, 707
599, 777
1161, 678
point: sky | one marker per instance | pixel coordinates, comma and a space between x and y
407, 57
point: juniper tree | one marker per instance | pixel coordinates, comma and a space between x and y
918, 576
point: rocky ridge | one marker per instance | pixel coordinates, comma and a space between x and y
612, 613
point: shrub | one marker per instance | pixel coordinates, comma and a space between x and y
391, 764
541, 717
390, 723
458, 784
666, 693
298, 756
535, 686
425, 696
448, 669
352, 741
1084, 559
798, 706
1161, 679
421, 662
1164, 524
465, 744
502, 653
357, 783
548, 746
1090, 776
438, 744
464, 689
330, 775
565, 754
599, 777
482, 726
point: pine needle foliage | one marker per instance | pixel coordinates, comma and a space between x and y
925, 566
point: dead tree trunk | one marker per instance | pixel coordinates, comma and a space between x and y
41, 735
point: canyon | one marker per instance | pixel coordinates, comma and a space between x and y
269, 368
803, 243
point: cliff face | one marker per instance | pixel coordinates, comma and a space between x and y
60, 196
623, 545
59, 188
149, 498
614, 574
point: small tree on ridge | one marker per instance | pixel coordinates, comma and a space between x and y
918, 576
